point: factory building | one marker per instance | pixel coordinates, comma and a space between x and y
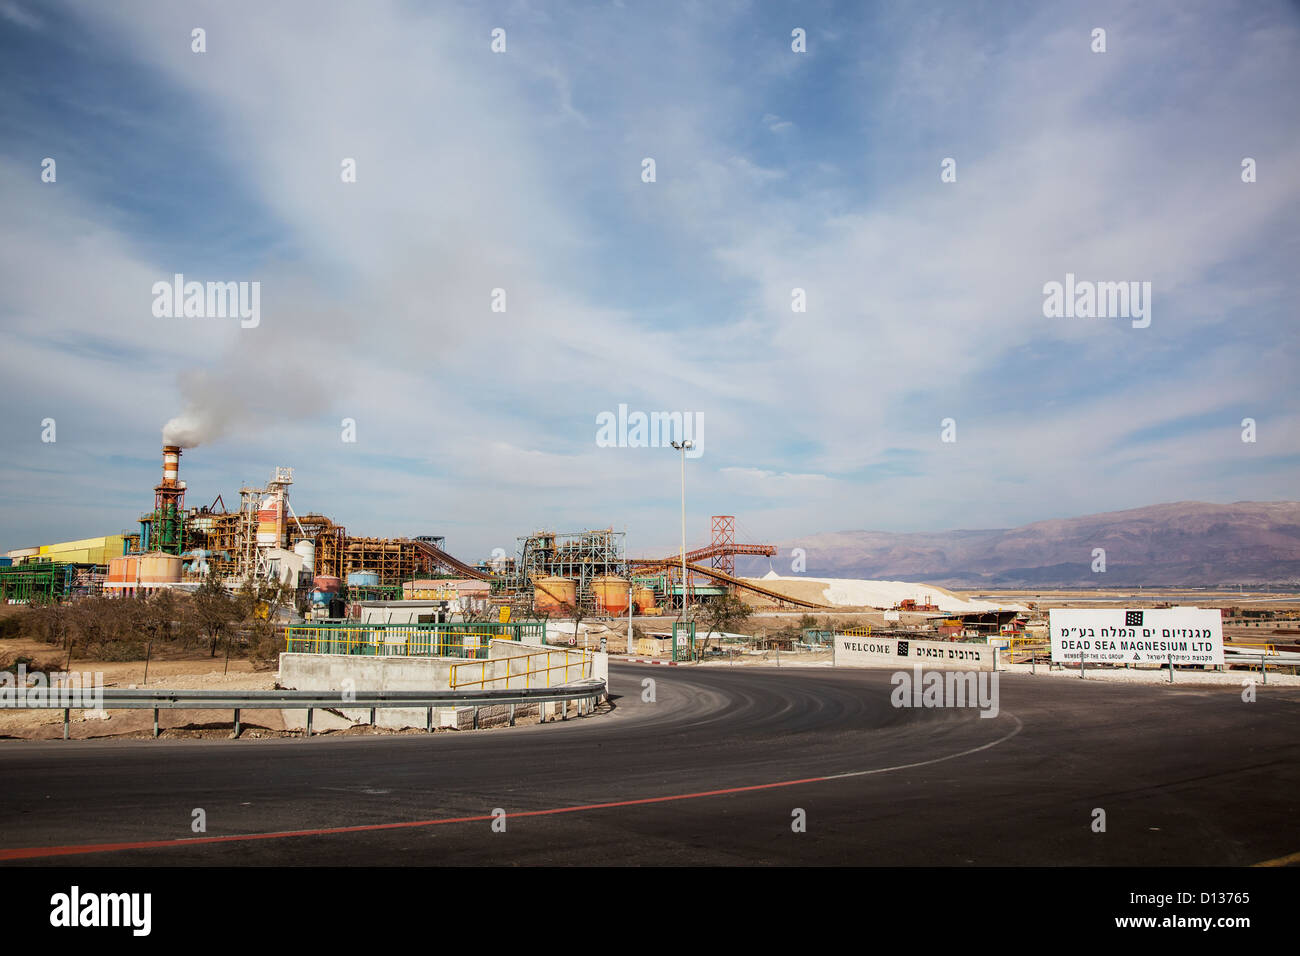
86, 551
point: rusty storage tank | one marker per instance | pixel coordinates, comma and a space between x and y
553, 593
120, 572
327, 583
148, 571
644, 599
611, 593
159, 568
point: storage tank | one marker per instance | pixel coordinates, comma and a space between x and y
644, 599
363, 579
553, 593
327, 583
159, 568
307, 551
121, 570
147, 570
611, 593
269, 521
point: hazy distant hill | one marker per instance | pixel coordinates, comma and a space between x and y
1187, 543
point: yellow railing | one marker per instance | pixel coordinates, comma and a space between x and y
1026, 645
1254, 648
573, 665
388, 641
863, 630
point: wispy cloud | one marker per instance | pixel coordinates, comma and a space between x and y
776, 171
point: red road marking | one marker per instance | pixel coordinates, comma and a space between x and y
37, 852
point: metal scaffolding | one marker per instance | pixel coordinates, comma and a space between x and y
580, 556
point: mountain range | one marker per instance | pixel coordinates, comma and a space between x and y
1189, 543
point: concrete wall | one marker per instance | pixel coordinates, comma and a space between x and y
888, 652
504, 669
333, 671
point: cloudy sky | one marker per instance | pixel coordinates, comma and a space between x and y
522, 170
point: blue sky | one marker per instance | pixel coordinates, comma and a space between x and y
522, 170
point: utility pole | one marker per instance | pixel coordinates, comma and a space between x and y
682, 447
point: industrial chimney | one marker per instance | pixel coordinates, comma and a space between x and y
171, 465
168, 526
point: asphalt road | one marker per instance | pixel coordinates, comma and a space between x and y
1186, 776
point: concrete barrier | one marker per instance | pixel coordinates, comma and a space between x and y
332, 672
896, 652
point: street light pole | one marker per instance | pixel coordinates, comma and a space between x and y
682, 447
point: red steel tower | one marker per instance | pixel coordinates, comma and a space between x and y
724, 538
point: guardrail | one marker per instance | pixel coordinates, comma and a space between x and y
586, 693
571, 661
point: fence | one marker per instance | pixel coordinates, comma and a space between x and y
571, 666
463, 640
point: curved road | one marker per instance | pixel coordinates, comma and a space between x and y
709, 773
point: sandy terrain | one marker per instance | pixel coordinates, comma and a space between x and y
855, 592
194, 670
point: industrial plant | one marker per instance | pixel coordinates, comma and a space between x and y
583, 573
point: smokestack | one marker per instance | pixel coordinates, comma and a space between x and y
171, 465
167, 528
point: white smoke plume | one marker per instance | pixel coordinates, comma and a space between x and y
241, 399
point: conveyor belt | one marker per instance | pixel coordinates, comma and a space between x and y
454, 564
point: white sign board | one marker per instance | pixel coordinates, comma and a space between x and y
1184, 635
903, 652
891, 615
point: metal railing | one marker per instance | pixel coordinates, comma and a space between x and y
1253, 649
574, 665
586, 692
467, 640
1033, 647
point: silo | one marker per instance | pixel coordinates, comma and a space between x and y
269, 521
554, 593
644, 599
611, 593
327, 583
159, 568
121, 571
306, 550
